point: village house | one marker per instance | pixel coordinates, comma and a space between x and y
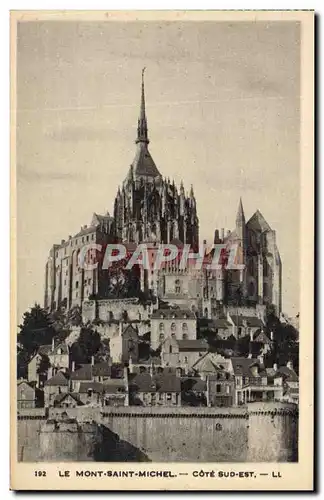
91, 393
253, 383
220, 388
101, 371
209, 364
157, 390
125, 344
290, 382
182, 353
244, 325
82, 374
27, 396
57, 354
193, 391
67, 400
115, 392
58, 384
180, 324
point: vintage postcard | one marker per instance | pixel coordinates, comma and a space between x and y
162, 250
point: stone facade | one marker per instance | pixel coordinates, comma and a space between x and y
176, 323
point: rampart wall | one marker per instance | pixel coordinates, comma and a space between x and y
256, 433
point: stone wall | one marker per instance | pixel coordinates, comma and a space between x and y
265, 432
108, 309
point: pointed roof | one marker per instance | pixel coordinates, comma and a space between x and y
240, 217
58, 380
258, 223
143, 164
142, 135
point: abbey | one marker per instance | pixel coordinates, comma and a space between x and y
151, 209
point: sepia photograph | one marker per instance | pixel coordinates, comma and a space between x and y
158, 312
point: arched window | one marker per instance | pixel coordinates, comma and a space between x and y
184, 336
161, 327
161, 337
184, 327
177, 286
173, 329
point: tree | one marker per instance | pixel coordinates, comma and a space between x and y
37, 329
86, 346
74, 316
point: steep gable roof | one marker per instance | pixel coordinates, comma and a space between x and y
60, 397
101, 369
83, 373
193, 345
93, 386
258, 223
182, 314
58, 380
143, 163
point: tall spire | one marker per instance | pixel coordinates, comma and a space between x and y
142, 123
240, 217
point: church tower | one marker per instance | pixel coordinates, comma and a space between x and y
149, 208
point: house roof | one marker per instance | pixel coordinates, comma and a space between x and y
251, 321
164, 382
60, 397
101, 369
242, 366
289, 374
94, 386
198, 385
173, 314
192, 345
20, 382
83, 373
113, 386
143, 163
46, 349
205, 364
58, 380
130, 330
221, 323
258, 223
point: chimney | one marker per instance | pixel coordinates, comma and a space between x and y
216, 237
271, 336
126, 383
151, 369
251, 335
222, 234
250, 355
228, 232
290, 365
73, 366
92, 360
120, 328
208, 392
53, 343
130, 365
261, 359
275, 367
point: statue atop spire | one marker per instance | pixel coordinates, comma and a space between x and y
142, 135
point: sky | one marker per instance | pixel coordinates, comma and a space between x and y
223, 110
